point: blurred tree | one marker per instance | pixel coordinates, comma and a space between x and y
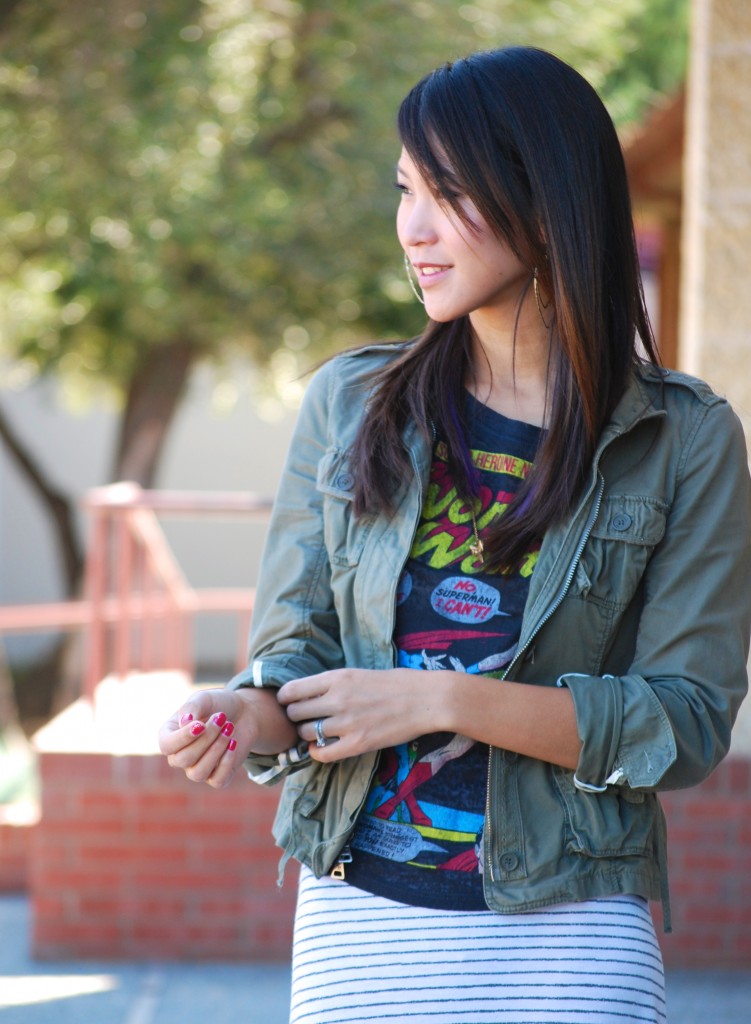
190, 179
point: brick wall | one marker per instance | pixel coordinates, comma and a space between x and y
131, 860
709, 851
15, 846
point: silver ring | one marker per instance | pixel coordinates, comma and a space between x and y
320, 738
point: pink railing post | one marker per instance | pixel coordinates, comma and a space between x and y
123, 557
139, 608
95, 587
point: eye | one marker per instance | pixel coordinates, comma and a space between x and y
402, 189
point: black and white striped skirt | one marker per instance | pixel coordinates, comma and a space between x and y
359, 957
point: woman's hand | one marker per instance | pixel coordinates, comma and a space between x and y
363, 710
213, 732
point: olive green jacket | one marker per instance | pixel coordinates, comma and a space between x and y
640, 604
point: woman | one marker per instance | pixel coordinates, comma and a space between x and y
522, 502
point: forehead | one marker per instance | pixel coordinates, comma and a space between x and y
406, 164
442, 173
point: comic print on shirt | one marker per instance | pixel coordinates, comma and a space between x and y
418, 839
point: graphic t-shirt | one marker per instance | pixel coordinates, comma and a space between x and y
419, 837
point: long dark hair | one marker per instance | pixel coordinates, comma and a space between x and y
528, 140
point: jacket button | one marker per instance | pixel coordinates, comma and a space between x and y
510, 756
509, 862
344, 481
621, 522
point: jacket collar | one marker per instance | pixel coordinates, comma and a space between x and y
639, 402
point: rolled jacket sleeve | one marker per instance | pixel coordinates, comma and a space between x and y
626, 733
295, 628
667, 722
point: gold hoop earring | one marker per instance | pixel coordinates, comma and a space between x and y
538, 299
413, 286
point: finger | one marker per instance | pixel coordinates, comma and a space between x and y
335, 750
177, 732
333, 744
209, 762
309, 710
307, 731
305, 688
193, 739
227, 766
173, 734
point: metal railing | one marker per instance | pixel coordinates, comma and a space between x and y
138, 608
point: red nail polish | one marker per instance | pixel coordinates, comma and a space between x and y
232, 745
197, 729
187, 717
219, 719
228, 729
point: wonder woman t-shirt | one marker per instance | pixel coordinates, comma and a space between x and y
419, 837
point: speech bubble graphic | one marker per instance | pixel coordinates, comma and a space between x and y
462, 599
390, 840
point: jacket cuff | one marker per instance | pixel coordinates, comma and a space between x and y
266, 769
625, 732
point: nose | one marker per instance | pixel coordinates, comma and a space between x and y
415, 222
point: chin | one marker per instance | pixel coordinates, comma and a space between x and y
443, 315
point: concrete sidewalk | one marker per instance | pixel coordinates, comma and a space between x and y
156, 993
89, 992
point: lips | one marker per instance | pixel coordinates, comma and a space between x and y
430, 273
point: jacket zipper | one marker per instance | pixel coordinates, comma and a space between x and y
345, 857
552, 608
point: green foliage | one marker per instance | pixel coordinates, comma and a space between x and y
217, 172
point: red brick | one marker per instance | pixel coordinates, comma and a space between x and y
164, 803
151, 880
720, 809
737, 772
743, 948
105, 802
15, 847
699, 833
74, 937
92, 907
726, 915
57, 769
700, 860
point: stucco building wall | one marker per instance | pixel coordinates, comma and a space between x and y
715, 330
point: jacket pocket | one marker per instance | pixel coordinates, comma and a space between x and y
628, 529
617, 822
343, 533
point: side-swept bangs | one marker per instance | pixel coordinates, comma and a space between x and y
462, 148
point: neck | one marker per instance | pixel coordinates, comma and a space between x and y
510, 364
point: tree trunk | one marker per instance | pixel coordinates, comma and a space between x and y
36, 687
8, 709
153, 398
57, 505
